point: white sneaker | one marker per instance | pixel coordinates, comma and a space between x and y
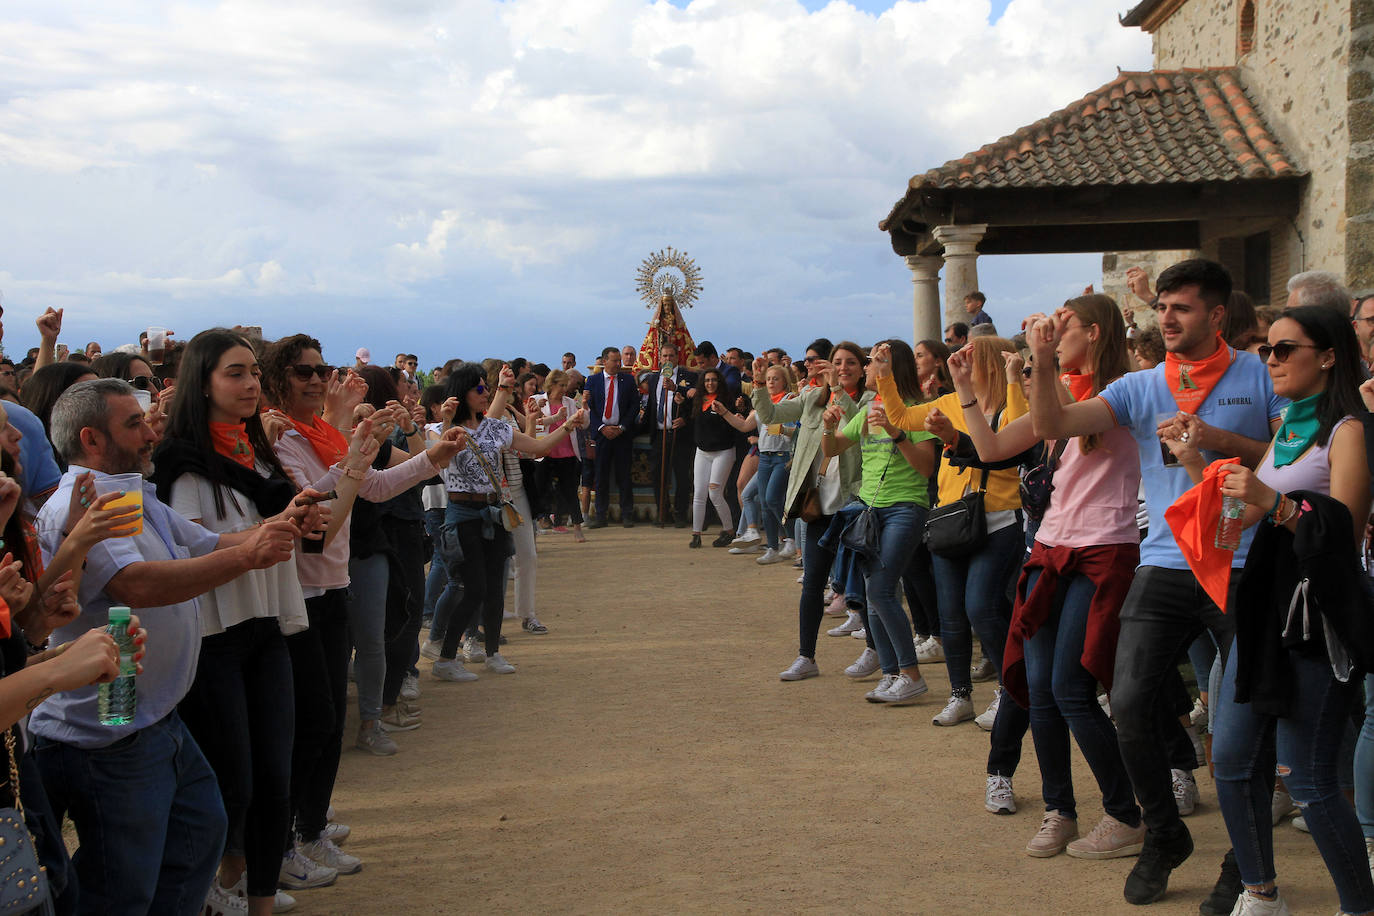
1281, 806
1300, 822
326, 853
1247, 904
836, 607
800, 670
299, 872
374, 739
983, 671
748, 547
1199, 714
877, 693
410, 687
853, 623
789, 548
430, 649
750, 536
801, 578
903, 691
958, 709
1105, 702
1185, 792
498, 665
989, 715
860, 633
336, 833
769, 557
999, 798
929, 651
282, 903
864, 665
450, 669
473, 651
222, 901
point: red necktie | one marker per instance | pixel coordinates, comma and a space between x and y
610, 394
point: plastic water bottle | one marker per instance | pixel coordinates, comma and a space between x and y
1230, 523
119, 698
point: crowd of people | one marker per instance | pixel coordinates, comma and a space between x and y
1094, 503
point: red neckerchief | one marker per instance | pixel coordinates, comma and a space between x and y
1191, 380
707, 401
329, 444
231, 441
1080, 384
778, 397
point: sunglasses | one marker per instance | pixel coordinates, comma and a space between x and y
1282, 350
1026, 372
303, 372
146, 383
480, 388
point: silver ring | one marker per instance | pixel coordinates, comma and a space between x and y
1183, 438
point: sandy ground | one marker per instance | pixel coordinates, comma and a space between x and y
647, 758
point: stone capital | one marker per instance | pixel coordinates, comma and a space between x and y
924, 267
960, 241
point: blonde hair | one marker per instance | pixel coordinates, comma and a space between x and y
556, 377
787, 376
990, 370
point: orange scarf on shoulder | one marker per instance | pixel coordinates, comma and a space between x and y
231, 441
1080, 385
329, 444
778, 397
1190, 381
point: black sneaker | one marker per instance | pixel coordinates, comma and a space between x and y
596, 523
1228, 888
724, 538
696, 541
1148, 881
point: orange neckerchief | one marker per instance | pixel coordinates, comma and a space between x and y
329, 444
32, 558
1080, 384
1193, 520
815, 382
778, 397
707, 401
1190, 381
231, 441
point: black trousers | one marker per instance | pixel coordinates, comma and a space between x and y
407, 539
613, 457
680, 448
319, 671
559, 479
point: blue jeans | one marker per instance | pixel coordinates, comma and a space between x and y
750, 505
1063, 698
148, 817
368, 578
1364, 763
902, 527
437, 579
772, 486
1307, 746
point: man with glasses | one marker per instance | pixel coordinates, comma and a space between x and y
9, 384
1363, 320
956, 335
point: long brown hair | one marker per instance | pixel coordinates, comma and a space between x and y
990, 369
1108, 354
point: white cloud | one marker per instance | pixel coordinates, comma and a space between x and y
251, 155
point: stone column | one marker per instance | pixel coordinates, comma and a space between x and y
925, 309
961, 265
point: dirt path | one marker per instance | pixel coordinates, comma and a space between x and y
647, 758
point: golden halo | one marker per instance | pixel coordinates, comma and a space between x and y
668, 272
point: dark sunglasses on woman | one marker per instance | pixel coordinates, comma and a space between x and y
1281, 350
303, 372
146, 383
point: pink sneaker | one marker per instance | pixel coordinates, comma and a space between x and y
837, 607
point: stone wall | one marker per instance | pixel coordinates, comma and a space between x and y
1114, 267
1297, 76
1359, 166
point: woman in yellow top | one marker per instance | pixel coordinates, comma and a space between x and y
975, 587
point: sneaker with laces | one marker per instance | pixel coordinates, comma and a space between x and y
769, 557
1185, 792
723, 539
1056, 831
1300, 823
1282, 806
374, 739
472, 650
999, 798
989, 715
1199, 714
431, 649
498, 665
282, 903
450, 669
864, 665
903, 691
1222, 900
1110, 839
410, 687
876, 694
800, 670
336, 833
929, 651
299, 872
326, 853
1248, 904
397, 719
860, 633
958, 709
1149, 879
983, 671
532, 625
222, 901
836, 607
748, 547
853, 623
750, 536
788, 549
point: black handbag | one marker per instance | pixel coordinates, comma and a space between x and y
864, 534
1038, 483
960, 528
23, 882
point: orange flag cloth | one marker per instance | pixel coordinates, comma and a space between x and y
1193, 520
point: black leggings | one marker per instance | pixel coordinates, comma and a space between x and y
319, 670
482, 574
407, 539
241, 712
559, 479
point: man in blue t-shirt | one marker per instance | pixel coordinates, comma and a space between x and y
1222, 403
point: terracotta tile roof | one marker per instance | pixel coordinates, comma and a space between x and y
1152, 127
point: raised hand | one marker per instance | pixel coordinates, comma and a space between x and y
271, 543
59, 603
832, 416
49, 324
1013, 362
960, 366
881, 357
1138, 282
15, 590
940, 425
446, 446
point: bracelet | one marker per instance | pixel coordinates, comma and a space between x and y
973, 403
413, 430
900, 437
1292, 511
1274, 509
827, 432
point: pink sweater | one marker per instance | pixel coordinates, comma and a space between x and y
320, 572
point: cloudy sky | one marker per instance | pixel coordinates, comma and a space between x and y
477, 178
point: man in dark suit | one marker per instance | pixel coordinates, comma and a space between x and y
612, 400
674, 446
711, 359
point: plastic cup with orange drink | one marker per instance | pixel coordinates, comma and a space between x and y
130, 490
